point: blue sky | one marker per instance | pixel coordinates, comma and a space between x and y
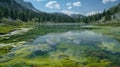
85, 7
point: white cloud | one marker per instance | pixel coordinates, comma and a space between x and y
92, 13
74, 4
53, 5
35, 0
107, 1
39, 0
77, 4
69, 5
69, 12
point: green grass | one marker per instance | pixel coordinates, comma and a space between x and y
65, 62
6, 29
5, 50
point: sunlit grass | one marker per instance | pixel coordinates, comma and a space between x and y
6, 29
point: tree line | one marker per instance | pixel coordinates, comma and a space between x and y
106, 15
12, 10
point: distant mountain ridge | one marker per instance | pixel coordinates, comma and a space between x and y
31, 7
25, 11
77, 16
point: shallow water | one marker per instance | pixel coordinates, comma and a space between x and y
76, 37
72, 41
51, 42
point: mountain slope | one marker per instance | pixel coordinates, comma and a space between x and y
13, 10
27, 5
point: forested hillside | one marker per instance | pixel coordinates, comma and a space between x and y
106, 15
13, 10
